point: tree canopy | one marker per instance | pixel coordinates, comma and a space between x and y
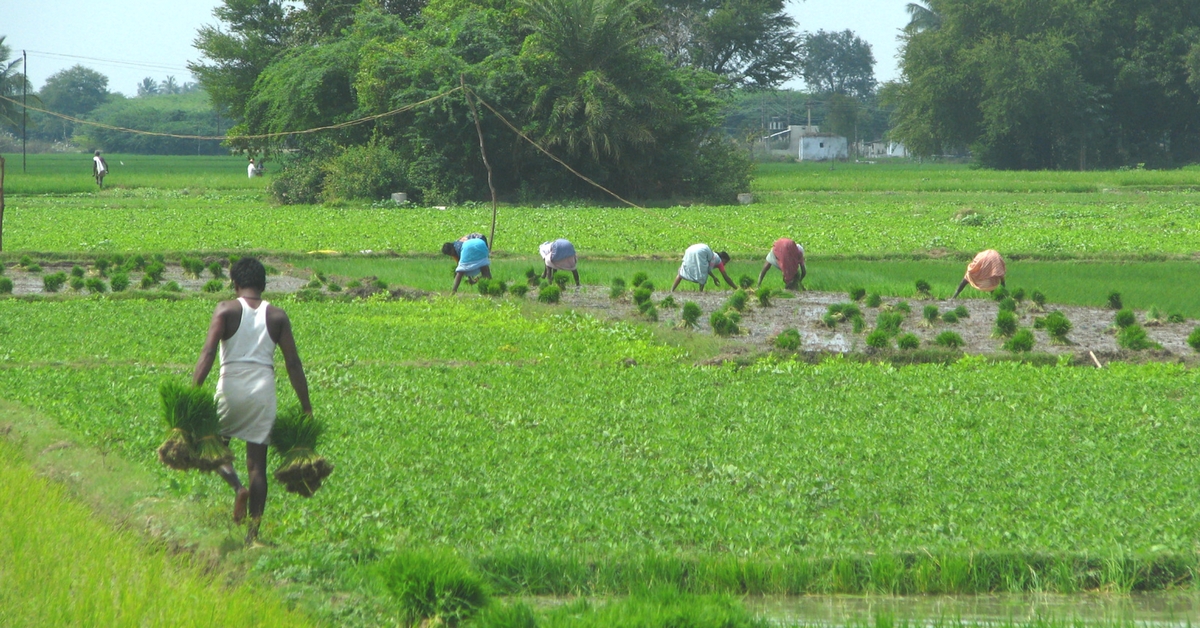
75, 92
13, 83
837, 63
1051, 84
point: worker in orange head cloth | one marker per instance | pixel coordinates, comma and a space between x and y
985, 272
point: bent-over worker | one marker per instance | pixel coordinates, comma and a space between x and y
699, 261
473, 259
559, 255
985, 272
248, 329
788, 257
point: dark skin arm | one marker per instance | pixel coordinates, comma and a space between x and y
225, 322
964, 283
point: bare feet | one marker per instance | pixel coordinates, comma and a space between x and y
239, 504
252, 532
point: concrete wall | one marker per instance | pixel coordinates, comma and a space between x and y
823, 148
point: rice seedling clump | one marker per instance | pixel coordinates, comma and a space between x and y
962, 312
171, 286
788, 340
1193, 339
95, 285
76, 283
119, 281
856, 294
889, 323
618, 288
549, 294
879, 339
764, 297
1006, 323
1038, 298
930, 314
294, 437
908, 341
724, 323
6, 285
1114, 301
190, 416
54, 282
948, 339
874, 300
668, 303
1134, 338
1057, 327
1008, 304
690, 314
1176, 318
433, 588
518, 290
950, 317
738, 300
1021, 341
642, 295
745, 282
1125, 318
213, 285
639, 277
77, 271
560, 280
923, 288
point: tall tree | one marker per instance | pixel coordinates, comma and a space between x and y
251, 35
170, 85
75, 91
148, 87
921, 18
750, 43
13, 83
837, 63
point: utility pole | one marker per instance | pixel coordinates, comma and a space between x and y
24, 97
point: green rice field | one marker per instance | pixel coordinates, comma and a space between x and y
557, 469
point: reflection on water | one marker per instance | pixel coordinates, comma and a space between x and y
1164, 609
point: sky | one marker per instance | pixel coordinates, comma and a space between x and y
127, 40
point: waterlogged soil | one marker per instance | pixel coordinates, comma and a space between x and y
1092, 331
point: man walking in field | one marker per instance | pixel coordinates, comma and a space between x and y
247, 330
985, 272
99, 169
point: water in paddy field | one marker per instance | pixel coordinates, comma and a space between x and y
1144, 609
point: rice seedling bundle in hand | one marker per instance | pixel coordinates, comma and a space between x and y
295, 437
183, 409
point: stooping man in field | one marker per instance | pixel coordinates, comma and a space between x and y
559, 255
99, 168
699, 261
985, 272
788, 257
248, 329
471, 253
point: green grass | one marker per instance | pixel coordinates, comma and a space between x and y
72, 173
61, 567
529, 447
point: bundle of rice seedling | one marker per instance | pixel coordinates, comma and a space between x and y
295, 438
183, 408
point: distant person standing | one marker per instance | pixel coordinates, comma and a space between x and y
99, 168
559, 255
251, 170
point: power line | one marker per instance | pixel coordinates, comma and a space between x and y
138, 64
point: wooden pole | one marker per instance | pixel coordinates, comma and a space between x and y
1, 204
479, 130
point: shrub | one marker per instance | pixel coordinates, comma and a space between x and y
1057, 327
764, 297
874, 300
1008, 304
879, 339
549, 294
1114, 301
962, 312
639, 277
690, 313
518, 290
95, 285
1193, 339
930, 314
618, 288
950, 317
1037, 297
738, 299
155, 271
745, 282
213, 285
368, 172
1006, 323
119, 282
1018, 295
789, 340
642, 295
436, 586
723, 324
949, 339
1134, 338
1022, 340
299, 182
889, 323
76, 283
856, 294
859, 324
6, 285
54, 282
668, 302
171, 286
923, 287
908, 341
1125, 318
216, 270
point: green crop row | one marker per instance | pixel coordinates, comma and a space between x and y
554, 448
72, 173
1045, 225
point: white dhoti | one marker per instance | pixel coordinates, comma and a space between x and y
246, 402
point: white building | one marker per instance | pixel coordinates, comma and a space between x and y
809, 144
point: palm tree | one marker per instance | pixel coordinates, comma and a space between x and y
169, 86
148, 87
589, 91
922, 17
13, 84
